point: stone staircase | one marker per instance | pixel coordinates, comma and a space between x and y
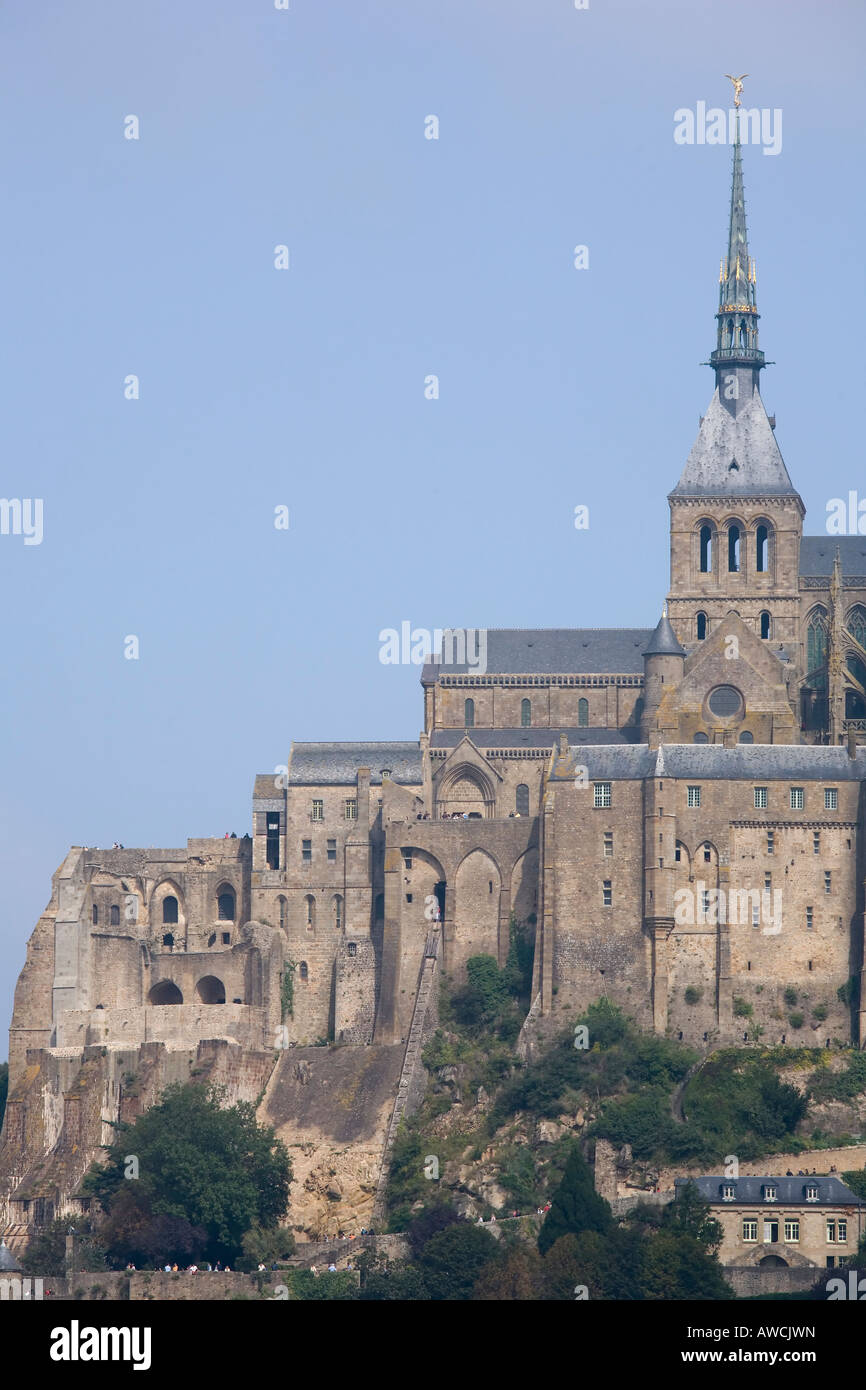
411, 1062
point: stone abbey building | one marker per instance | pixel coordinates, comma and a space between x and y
676, 813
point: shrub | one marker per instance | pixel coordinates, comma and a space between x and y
820, 1012
797, 1019
742, 1007
693, 994
790, 996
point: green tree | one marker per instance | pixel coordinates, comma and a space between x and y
517, 1277
453, 1259
46, 1253
212, 1169
576, 1207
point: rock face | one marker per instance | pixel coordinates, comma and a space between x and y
331, 1107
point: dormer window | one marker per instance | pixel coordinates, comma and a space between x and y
811, 1192
729, 1192
771, 1193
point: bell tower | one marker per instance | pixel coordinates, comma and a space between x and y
736, 518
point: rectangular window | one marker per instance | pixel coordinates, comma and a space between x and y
601, 795
694, 796
816, 842
792, 1231
677, 854
768, 883
318, 811
227, 936
760, 798
95, 915
828, 881
350, 808
809, 919
750, 1229
771, 842
607, 893
353, 948
608, 844
831, 799
272, 840
407, 861
756, 915
796, 798
842, 1232
332, 851
408, 897
307, 851
831, 1232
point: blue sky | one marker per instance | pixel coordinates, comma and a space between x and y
305, 388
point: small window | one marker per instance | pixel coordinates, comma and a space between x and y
701, 626
816, 842
765, 625
608, 844
115, 915
810, 921
310, 910
708, 854
526, 714
353, 948
796, 798
521, 799
407, 859
771, 842
770, 1192
761, 549
226, 907
490, 885
169, 909
469, 713
811, 1192
792, 1230
747, 736
272, 839
168, 939
307, 851
304, 971
678, 854
601, 795
227, 937
283, 905
350, 808
607, 893
706, 542
828, 881
831, 1231
831, 799
318, 811
94, 915
582, 713
332, 851
408, 897
694, 796
760, 798
750, 1229
700, 737
733, 549
768, 883
729, 1192
338, 912
841, 1231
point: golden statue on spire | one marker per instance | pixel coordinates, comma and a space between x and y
738, 85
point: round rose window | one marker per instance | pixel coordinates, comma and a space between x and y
725, 702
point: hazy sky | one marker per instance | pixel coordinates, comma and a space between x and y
305, 388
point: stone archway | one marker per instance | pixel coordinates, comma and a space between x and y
165, 992
210, 990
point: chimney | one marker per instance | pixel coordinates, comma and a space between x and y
563, 745
852, 743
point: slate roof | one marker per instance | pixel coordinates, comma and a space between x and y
8, 1262
523, 738
817, 554
738, 432
336, 764
664, 640
555, 651
790, 1191
710, 761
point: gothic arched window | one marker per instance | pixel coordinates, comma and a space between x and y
310, 910
856, 624
701, 626
525, 714
522, 800
733, 549
469, 714
817, 629
706, 538
762, 549
582, 713
765, 624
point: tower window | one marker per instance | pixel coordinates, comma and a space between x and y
701, 626
828, 881
521, 799
706, 538
115, 915
169, 909
583, 713
765, 624
226, 907
762, 543
469, 713
94, 915
310, 909
733, 549
525, 714
272, 841
282, 906
816, 842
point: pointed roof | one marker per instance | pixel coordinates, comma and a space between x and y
8, 1262
735, 453
664, 640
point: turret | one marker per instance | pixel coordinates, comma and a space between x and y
663, 659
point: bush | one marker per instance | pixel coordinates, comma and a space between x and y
797, 1019
820, 1012
790, 996
693, 994
742, 1007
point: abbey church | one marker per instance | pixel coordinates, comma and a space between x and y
675, 814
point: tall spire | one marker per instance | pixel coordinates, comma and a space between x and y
737, 315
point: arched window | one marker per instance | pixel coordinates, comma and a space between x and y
310, 910
115, 915
168, 939
522, 800
338, 912
701, 626
746, 737
226, 906
733, 549
762, 549
855, 704
700, 737
283, 906
525, 714
856, 624
169, 908
765, 624
583, 713
94, 915
816, 648
469, 713
304, 972
706, 549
